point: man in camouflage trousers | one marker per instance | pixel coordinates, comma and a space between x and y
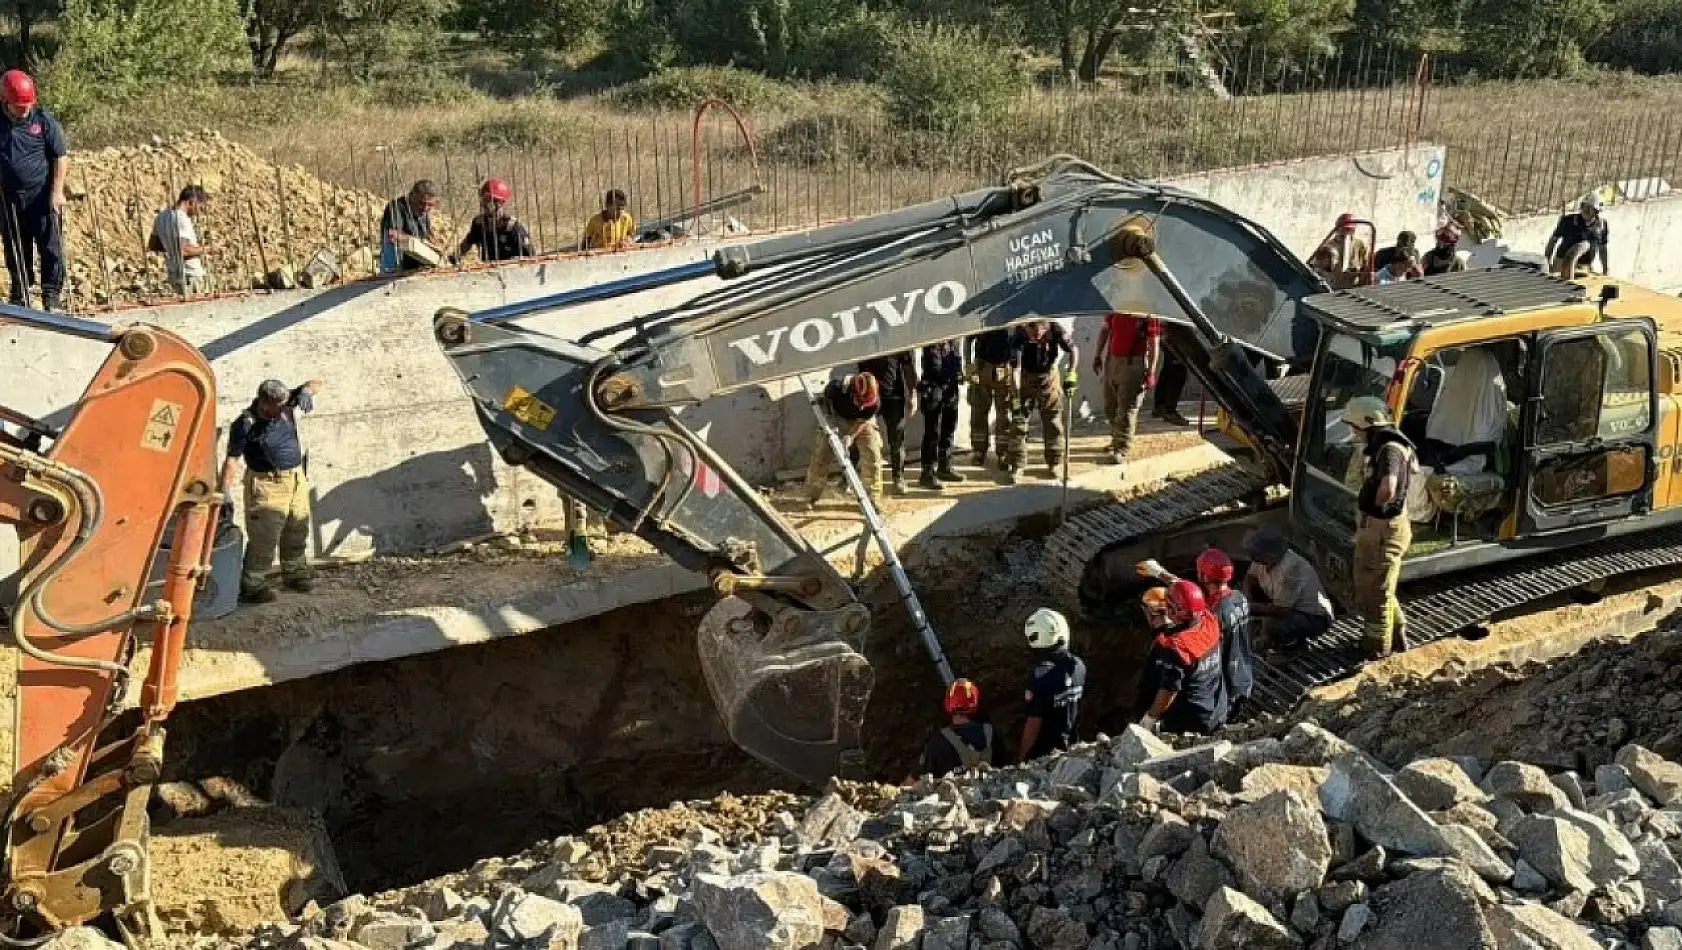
992, 359
277, 494
1039, 345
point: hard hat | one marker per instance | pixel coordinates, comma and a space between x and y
963, 698
1590, 202
497, 190
1364, 412
1213, 566
1047, 629
17, 88
1186, 599
863, 390
1448, 234
1345, 221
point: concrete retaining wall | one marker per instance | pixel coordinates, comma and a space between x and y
399, 463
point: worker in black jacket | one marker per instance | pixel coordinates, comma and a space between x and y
965, 743
896, 380
943, 380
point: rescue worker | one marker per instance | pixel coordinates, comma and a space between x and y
1129, 347
1403, 265
33, 169
1054, 687
1285, 595
850, 405
993, 358
1232, 610
1383, 531
1405, 241
965, 743
277, 493
896, 386
942, 380
1351, 258
1444, 258
175, 235
1170, 386
611, 227
1184, 685
1040, 343
498, 235
1579, 239
407, 215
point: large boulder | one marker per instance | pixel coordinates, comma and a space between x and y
1276, 846
1657, 778
1357, 793
902, 929
1271, 777
1232, 921
763, 911
1661, 875
1525, 785
1534, 927
1135, 745
1196, 876
1574, 851
1440, 908
1438, 784
522, 918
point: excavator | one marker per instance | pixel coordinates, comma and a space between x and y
1560, 478
94, 501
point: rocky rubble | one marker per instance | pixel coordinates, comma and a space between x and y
1292, 842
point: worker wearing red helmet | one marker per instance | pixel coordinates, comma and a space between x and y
1184, 684
965, 743
1445, 257
497, 234
33, 167
1231, 608
1350, 257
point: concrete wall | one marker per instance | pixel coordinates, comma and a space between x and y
396, 457
1646, 236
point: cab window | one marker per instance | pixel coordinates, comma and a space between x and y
1349, 367
1594, 387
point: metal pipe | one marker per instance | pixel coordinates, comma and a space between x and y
613, 288
12, 314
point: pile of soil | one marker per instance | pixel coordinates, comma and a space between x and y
262, 216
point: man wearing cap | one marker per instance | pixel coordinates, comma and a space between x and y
1284, 591
495, 232
1579, 239
1351, 257
33, 167
176, 236
965, 743
277, 495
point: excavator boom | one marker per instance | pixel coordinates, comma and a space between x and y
92, 503
1061, 239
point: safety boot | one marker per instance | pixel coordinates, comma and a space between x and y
1113, 456
302, 585
980, 457
928, 482
946, 473
897, 486
258, 595
1009, 472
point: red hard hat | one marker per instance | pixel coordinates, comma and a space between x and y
1448, 234
497, 190
1345, 221
1186, 599
963, 698
1213, 566
17, 88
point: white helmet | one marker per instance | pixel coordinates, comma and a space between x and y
1364, 412
1047, 629
1590, 202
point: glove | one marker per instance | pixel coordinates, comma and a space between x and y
1150, 568
1149, 723
1071, 381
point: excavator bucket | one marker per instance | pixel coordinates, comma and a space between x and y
795, 701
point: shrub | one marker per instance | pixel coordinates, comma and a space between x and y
422, 88
114, 48
685, 87
1644, 36
946, 79
1532, 39
855, 48
518, 127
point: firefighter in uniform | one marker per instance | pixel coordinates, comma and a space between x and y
992, 360
1055, 686
965, 743
1383, 532
1231, 609
1039, 345
1184, 685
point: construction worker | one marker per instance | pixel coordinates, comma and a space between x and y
965, 743
993, 358
1351, 258
896, 384
1129, 348
1231, 609
1402, 265
1039, 344
1054, 687
1383, 531
850, 405
1444, 257
33, 168
175, 235
942, 381
498, 235
277, 493
1170, 387
1405, 241
611, 227
1579, 239
1285, 595
408, 215
1183, 688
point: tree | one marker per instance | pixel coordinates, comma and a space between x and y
369, 36
1532, 39
27, 14
271, 24
1644, 36
116, 46
534, 24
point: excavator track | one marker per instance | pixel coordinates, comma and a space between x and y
1437, 609
1073, 547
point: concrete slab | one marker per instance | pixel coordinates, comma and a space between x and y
393, 607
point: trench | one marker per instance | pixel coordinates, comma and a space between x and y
422, 765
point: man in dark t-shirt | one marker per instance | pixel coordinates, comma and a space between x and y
965, 743
1055, 686
1184, 684
34, 161
277, 494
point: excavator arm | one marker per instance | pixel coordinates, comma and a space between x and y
92, 503
598, 417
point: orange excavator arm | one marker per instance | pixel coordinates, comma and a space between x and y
135, 460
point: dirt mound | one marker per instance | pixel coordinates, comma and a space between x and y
262, 215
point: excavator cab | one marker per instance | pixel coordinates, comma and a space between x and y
1533, 412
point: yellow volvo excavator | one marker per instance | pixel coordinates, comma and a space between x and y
1546, 412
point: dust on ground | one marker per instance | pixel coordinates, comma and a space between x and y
239, 868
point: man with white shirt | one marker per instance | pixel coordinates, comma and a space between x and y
176, 236
1287, 600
